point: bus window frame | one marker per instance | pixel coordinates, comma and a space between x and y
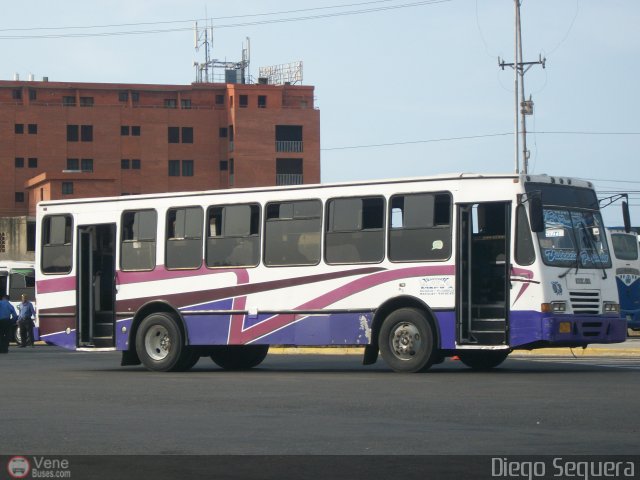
70, 244
122, 241
259, 234
167, 239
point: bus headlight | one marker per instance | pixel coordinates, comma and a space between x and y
611, 307
554, 307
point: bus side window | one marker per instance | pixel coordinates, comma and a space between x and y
56, 244
525, 253
420, 227
292, 233
233, 237
138, 240
184, 238
355, 230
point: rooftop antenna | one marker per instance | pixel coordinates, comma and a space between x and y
204, 38
523, 107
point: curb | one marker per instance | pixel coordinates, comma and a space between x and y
542, 352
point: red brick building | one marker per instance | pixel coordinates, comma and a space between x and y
71, 140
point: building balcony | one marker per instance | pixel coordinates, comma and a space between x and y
289, 179
289, 146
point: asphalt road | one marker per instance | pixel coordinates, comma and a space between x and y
57, 402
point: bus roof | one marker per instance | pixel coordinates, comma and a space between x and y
543, 178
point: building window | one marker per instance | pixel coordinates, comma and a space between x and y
231, 171
73, 164
219, 99
185, 104
135, 164
244, 101
33, 162
138, 241
86, 101
86, 133
184, 237
87, 164
67, 188
32, 128
174, 168
187, 168
289, 138
262, 101
73, 133
170, 103
289, 171
56, 244
292, 233
124, 130
33, 94
223, 132
174, 134
68, 101
135, 97
231, 101
3, 242
135, 130
224, 165
123, 96
187, 134
124, 164
19, 197
16, 94
19, 128
19, 162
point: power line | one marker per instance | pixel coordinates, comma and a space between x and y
473, 137
168, 22
432, 140
220, 26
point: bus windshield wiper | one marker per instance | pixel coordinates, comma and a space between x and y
593, 247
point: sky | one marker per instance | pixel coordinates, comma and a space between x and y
404, 87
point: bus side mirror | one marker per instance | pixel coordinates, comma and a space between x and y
535, 214
626, 217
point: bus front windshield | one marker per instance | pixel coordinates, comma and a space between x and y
573, 238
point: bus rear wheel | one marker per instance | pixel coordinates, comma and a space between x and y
406, 341
160, 343
239, 357
483, 359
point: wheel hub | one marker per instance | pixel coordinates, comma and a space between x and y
406, 341
157, 342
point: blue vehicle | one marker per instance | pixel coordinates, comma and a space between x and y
626, 263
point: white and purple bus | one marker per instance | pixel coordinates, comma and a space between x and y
414, 269
18, 278
626, 264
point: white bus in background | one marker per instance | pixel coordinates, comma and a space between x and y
17, 278
626, 264
415, 269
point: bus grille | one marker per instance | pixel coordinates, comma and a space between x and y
585, 302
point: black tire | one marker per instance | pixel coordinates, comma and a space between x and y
406, 341
189, 358
239, 357
483, 359
160, 343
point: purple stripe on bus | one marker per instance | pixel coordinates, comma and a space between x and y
239, 335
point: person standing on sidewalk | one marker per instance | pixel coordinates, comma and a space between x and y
25, 321
8, 317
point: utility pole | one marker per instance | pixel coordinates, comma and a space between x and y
522, 107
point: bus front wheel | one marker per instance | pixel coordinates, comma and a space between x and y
483, 359
159, 343
406, 340
239, 357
